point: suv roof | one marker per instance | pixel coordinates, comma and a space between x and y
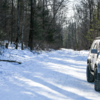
97, 38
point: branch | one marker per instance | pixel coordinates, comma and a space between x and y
56, 11
11, 61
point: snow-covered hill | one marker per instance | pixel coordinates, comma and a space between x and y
56, 75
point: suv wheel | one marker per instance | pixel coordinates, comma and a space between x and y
97, 81
90, 77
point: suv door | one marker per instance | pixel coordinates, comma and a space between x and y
94, 56
90, 56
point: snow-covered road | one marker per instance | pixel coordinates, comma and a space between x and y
56, 75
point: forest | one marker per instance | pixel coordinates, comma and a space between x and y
84, 26
43, 24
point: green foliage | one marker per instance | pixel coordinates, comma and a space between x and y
43, 27
5, 5
1, 34
95, 25
91, 30
50, 35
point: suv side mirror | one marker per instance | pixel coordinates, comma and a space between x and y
94, 51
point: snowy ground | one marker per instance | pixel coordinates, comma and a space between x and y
56, 75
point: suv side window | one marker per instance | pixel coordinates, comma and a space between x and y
99, 46
96, 47
92, 46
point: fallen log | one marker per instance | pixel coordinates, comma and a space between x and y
11, 61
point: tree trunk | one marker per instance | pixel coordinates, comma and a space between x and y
12, 23
43, 14
54, 14
17, 39
30, 43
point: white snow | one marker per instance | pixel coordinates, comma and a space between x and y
56, 75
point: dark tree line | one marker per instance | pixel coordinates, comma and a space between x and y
33, 23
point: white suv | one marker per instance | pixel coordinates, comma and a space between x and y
93, 64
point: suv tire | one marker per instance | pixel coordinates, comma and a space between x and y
97, 81
90, 77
